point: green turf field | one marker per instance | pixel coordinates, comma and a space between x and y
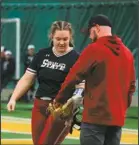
24, 110
5, 135
23, 136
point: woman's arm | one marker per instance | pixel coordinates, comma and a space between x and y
23, 85
21, 88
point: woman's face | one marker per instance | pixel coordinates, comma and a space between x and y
61, 39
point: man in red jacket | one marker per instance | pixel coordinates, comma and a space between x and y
107, 66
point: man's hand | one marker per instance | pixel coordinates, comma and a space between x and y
77, 100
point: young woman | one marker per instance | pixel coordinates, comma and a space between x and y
50, 66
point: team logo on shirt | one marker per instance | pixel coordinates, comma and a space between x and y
53, 65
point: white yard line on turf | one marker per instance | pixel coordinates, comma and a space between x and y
19, 119
17, 132
16, 118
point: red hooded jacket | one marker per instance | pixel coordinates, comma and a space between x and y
107, 66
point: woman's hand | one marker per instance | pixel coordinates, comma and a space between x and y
11, 105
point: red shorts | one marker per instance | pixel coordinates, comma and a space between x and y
46, 129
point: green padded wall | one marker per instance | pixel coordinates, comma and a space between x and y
36, 18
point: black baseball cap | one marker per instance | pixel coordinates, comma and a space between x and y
100, 19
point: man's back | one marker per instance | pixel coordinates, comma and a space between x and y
107, 67
110, 82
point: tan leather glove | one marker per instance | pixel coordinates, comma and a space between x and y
62, 111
